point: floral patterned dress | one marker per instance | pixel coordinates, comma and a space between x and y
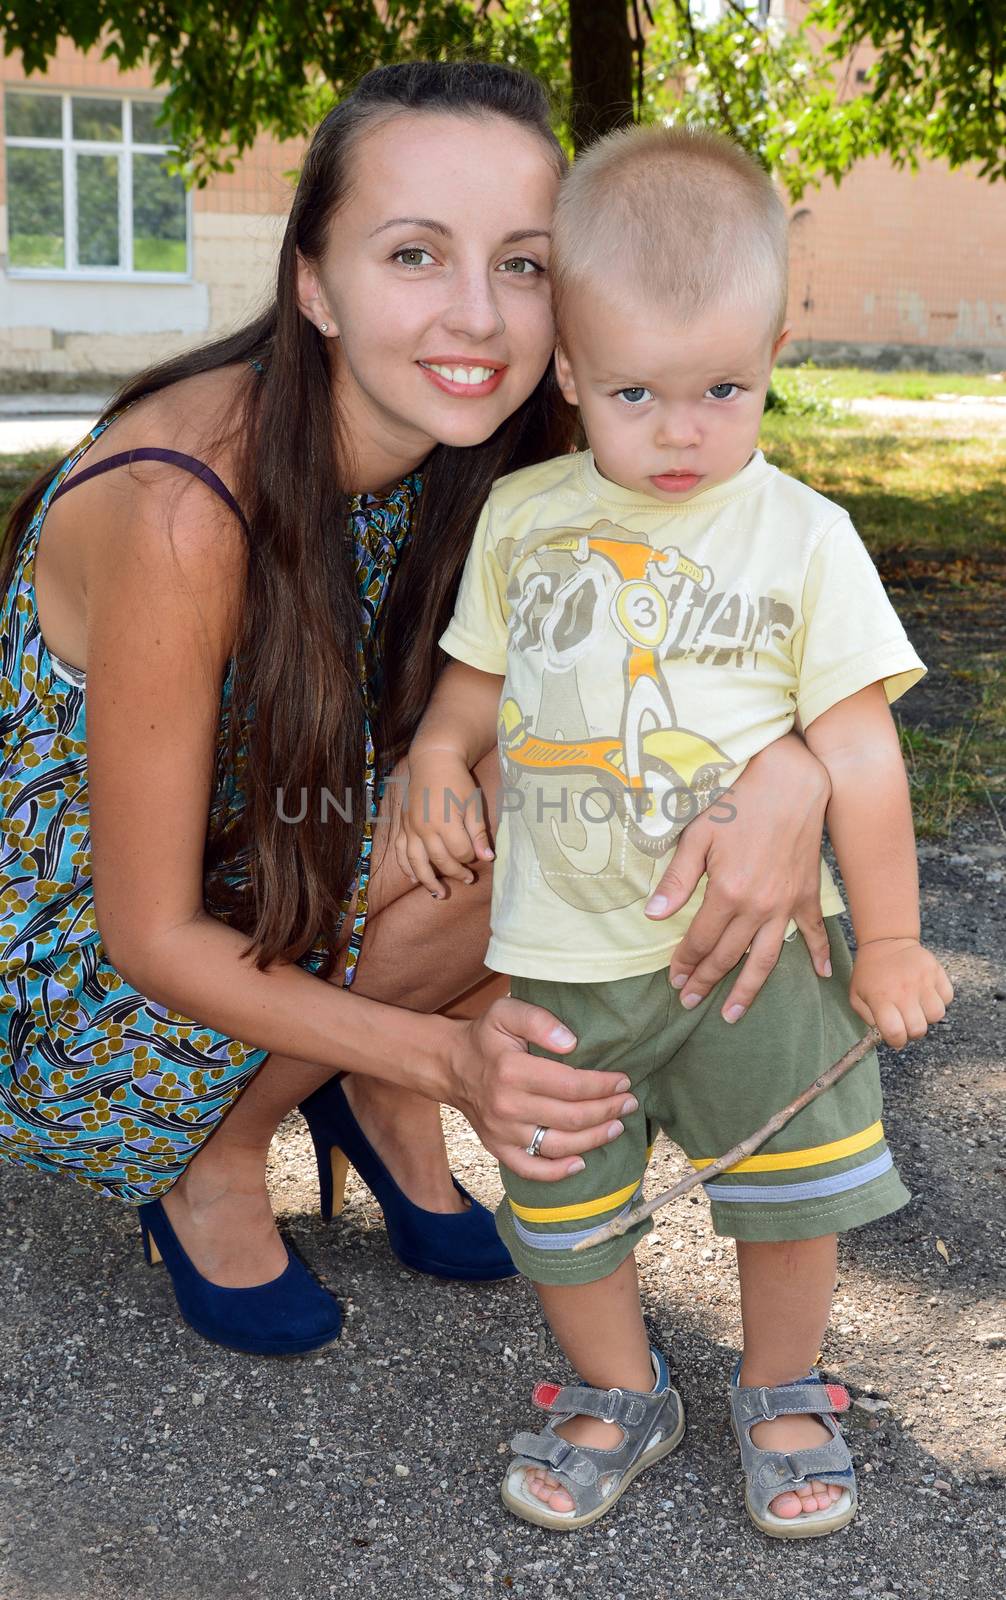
96, 1080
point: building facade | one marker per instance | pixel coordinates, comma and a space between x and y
894, 267
107, 264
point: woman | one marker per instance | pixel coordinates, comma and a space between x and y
220, 571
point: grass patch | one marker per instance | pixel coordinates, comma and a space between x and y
953, 724
913, 489
961, 768
790, 395
931, 507
17, 471
855, 383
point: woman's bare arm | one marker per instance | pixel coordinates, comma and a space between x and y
161, 615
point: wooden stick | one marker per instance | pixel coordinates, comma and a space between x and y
612, 1230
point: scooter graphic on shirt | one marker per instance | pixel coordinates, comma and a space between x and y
648, 780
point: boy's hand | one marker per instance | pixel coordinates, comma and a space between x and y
900, 988
442, 827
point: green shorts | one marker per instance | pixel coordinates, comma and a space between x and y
708, 1084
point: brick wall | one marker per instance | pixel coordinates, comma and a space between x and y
897, 262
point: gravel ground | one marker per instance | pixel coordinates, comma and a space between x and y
138, 1462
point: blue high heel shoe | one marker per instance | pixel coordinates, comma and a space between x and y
462, 1244
286, 1317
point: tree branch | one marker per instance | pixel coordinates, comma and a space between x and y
639, 47
612, 1230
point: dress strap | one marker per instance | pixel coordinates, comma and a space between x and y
174, 458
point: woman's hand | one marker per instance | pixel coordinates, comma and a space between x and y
764, 867
506, 1093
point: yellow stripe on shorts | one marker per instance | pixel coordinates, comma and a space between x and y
586, 1208
817, 1156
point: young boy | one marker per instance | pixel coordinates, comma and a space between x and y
639, 620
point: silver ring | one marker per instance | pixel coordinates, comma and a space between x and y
534, 1148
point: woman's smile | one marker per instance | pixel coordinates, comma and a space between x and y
467, 379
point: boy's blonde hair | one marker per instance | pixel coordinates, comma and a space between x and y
679, 215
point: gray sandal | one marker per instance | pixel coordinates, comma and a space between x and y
769, 1473
652, 1424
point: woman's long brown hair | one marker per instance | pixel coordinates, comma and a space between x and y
296, 704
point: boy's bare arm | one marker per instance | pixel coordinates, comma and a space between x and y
442, 828
896, 983
870, 814
460, 719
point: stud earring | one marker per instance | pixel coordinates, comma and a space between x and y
324, 327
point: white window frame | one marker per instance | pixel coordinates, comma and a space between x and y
124, 149
760, 11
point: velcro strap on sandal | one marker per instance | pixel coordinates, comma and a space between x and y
559, 1455
623, 1406
763, 1404
829, 1463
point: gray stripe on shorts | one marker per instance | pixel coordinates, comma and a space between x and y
564, 1241
776, 1193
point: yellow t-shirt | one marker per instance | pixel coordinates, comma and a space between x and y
649, 651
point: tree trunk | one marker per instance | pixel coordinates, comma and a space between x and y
601, 68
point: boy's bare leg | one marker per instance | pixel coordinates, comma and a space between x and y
600, 1329
786, 1292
